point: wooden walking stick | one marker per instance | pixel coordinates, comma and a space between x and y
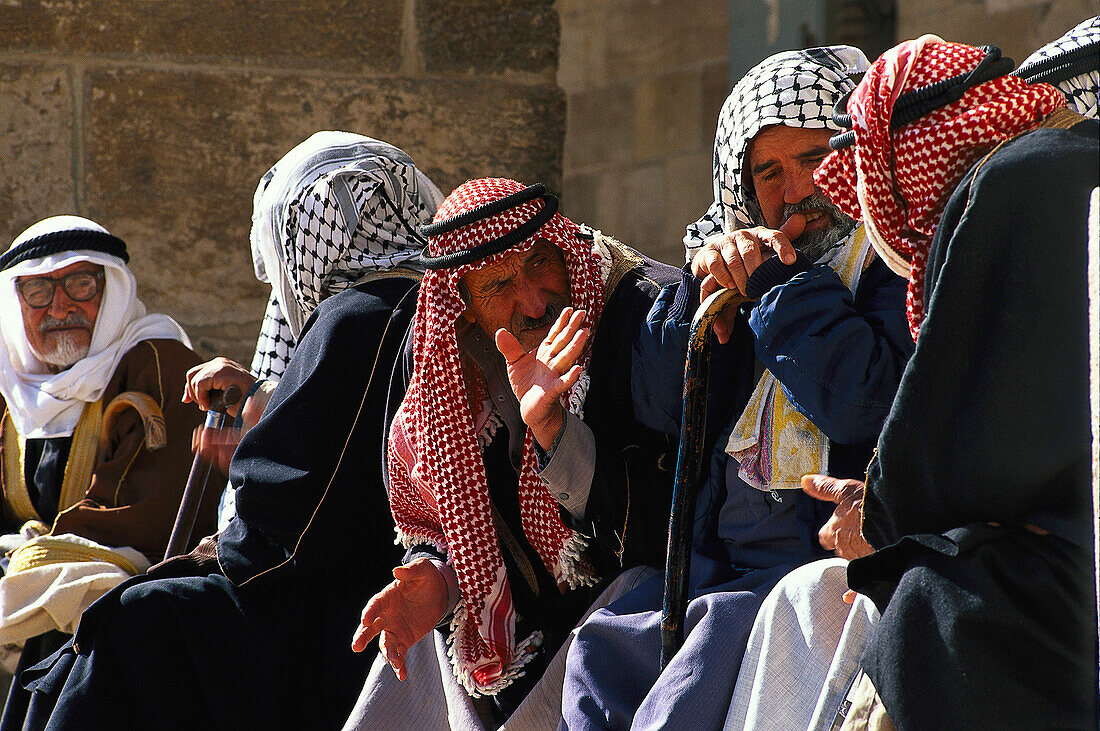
200, 473
692, 436
688, 463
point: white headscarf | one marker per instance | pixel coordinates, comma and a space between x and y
792, 88
44, 404
338, 209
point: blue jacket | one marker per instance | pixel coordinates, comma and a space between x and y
839, 357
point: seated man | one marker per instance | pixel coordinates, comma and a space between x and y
978, 499
520, 480
305, 267
76, 346
802, 384
258, 637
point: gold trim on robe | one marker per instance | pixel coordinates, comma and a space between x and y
79, 467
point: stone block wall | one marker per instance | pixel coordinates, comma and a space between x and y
1017, 27
645, 80
156, 118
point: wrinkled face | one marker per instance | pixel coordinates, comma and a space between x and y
60, 333
781, 162
524, 293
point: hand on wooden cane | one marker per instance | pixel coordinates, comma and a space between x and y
726, 261
403, 613
217, 374
540, 378
215, 441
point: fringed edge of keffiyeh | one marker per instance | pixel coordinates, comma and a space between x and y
522, 653
573, 564
574, 399
407, 540
575, 570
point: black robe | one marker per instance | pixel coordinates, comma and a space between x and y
261, 638
993, 626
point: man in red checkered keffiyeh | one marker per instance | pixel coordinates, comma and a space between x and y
897, 181
976, 185
543, 283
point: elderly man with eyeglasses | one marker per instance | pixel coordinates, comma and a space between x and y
96, 445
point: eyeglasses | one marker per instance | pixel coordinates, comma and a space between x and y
38, 292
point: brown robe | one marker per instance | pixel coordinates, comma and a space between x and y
134, 493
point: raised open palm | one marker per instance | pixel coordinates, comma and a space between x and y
540, 377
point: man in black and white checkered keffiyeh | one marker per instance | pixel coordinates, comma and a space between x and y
792, 88
338, 209
1081, 90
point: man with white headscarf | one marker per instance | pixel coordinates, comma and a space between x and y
801, 384
72, 337
254, 633
96, 446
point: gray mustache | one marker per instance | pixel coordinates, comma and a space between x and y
813, 202
75, 319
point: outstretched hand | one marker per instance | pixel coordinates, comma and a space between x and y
403, 613
726, 261
842, 533
539, 378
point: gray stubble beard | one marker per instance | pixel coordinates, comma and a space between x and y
66, 353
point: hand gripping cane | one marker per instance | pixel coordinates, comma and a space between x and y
200, 473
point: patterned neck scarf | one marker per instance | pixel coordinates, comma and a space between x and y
336, 210
438, 489
792, 88
898, 182
773, 442
1081, 91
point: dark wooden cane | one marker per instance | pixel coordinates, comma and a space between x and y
688, 466
200, 473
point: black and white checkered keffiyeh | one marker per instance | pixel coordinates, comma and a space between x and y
1081, 90
792, 88
275, 344
338, 209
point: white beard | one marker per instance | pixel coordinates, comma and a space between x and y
65, 353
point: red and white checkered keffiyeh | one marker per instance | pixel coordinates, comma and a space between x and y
898, 182
438, 489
